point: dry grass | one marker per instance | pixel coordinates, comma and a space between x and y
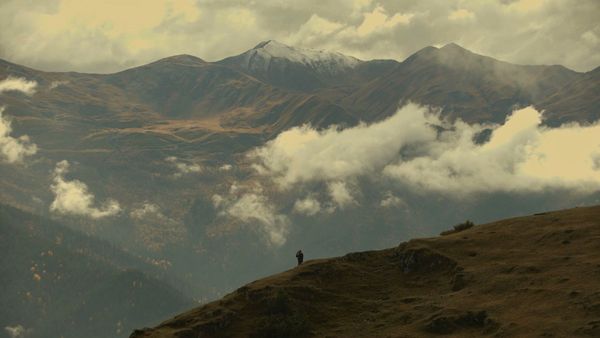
522, 277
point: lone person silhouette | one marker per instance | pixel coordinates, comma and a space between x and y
300, 257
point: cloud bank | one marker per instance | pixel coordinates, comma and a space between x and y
13, 150
303, 154
73, 197
18, 84
416, 149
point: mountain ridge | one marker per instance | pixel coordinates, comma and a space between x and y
450, 45
172, 136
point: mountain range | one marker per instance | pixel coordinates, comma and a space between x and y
172, 142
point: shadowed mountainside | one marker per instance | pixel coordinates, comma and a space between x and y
515, 277
50, 273
469, 86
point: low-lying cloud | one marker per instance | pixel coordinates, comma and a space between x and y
340, 194
251, 207
56, 84
18, 84
13, 149
17, 331
308, 206
303, 154
390, 200
417, 149
73, 197
183, 168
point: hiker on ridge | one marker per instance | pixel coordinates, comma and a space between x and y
300, 257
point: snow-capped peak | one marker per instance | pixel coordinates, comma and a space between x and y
261, 56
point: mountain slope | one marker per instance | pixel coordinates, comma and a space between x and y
465, 85
50, 274
514, 277
118, 130
579, 98
293, 68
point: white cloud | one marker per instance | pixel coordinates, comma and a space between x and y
217, 200
73, 197
182, 167
461, 14
308, 206
390, 200
379, 20
17, 331
340, 194
56, 84
13, 150
304, 154
251, 207
522, 155
145, 210
18, 84
246, 202
226, 167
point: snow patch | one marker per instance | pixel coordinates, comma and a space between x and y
260, 57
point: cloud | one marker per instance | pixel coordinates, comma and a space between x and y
17, 331
418, 150
73, 197
147, 209
182, 167
390, 200
103, 37
13, 150
340, 194
461, 14
252, 207
56, 84
521, 156
303, 154
308, 206
18, 84
226, 167
246, 203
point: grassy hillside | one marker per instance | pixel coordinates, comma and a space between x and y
527, 276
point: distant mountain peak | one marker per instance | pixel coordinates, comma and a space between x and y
261, 57
309, 57
184, 59
449, 54
262, 44
454, 46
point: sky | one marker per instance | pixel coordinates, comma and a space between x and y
112, 35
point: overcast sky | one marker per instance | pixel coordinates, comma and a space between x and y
110, 35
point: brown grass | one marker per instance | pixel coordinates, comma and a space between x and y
523, 277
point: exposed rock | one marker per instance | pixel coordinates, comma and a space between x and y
424, 260
446, 324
